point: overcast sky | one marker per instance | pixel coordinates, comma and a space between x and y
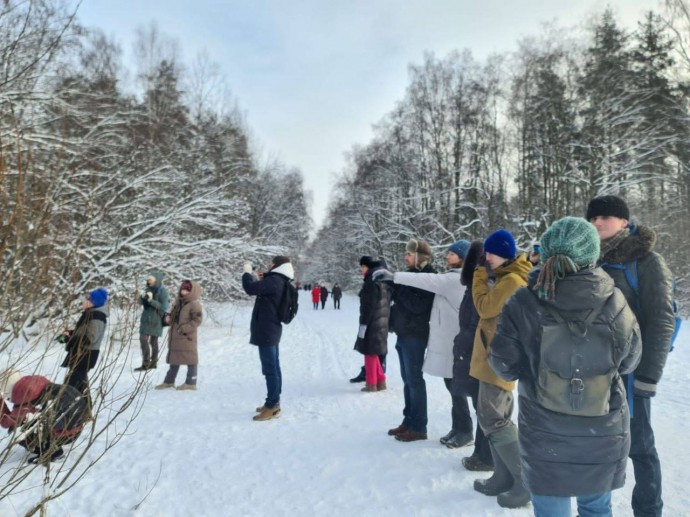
312, 76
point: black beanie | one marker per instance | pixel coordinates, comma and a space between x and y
279, 260
608, 205
368, 261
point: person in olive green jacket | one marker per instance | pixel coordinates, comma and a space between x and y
156, 303
495, 404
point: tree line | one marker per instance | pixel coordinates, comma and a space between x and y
521, 139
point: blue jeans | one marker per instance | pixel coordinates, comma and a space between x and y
270, 367
411, 354
646, 496
592, 505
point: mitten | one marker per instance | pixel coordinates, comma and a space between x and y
148, 295
247, 267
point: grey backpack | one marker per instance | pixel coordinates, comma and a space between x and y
576, 365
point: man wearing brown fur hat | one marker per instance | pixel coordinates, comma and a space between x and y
625, 247
410, 315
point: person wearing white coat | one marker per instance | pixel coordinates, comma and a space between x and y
443, 327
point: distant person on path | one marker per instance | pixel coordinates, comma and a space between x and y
266, 328
324, 296
495, 404
316, 296
570, 327
444, 326
337, 294
156, 303
184, 321
372, 336
410, 316
625, 244
83, 344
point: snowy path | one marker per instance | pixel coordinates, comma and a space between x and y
200, 453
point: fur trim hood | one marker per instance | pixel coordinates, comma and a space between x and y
638, 244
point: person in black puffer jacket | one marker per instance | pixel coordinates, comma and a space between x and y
463, 384
374, 313
266, 328
570, 327
623, 242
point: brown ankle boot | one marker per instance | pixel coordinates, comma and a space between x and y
381, 386
370, 387
267, 413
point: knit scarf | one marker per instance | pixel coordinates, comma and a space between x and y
555, 268
613, 242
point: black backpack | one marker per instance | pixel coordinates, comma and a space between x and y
289, 303
571, 380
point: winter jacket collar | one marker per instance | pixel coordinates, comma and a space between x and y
285, 269
641, 242
581, 291
519, 266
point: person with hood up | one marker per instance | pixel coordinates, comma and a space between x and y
84, 342
571, 327
156, 303
316, 296
44, 416
495, 402
374, 313
184, 320
266, 328
625, 244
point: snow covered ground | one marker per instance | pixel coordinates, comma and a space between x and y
200, 453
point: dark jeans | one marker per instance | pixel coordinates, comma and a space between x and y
148, 354
316, 305
77, 376
411, 354
646, 496
460, 411
323, 304
175, 368
270, 367
336, 303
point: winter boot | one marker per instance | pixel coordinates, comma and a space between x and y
460, 440
370, 388
164, 386
144, 366
381, 386
45, 458
499, 482
185, 387
475, 464
153, 365
267, 413
410, 436
448, 436
361, 377
397, 430
517, 496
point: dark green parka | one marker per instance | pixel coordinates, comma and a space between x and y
152, 316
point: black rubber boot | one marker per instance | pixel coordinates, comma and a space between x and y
518, 495
499, 482
361, 377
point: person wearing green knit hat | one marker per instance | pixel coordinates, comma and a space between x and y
568, 337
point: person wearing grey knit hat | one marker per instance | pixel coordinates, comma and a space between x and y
567, 346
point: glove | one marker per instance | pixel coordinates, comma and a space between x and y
247, 267
382, 275
148, 295
644, 387
362, 331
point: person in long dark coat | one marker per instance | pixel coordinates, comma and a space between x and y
323, 293
463, 384
337, 294
374, 313
572, 443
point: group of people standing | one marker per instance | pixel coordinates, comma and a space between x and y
588, 349
319, 293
